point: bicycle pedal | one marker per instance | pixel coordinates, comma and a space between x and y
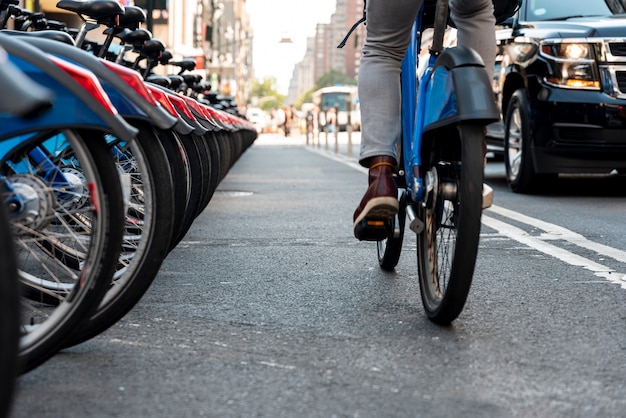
372, 229
415, 224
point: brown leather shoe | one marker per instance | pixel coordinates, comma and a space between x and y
379, 205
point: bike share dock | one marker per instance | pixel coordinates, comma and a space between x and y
250, 312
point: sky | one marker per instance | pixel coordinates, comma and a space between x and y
272, 20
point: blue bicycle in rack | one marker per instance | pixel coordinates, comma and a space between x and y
440, 177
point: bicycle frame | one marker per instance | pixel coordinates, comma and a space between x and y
71, 105
453, 88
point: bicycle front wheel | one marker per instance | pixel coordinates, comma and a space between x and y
448, 246
67, 234
149, 210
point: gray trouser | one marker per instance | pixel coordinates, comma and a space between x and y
388, 26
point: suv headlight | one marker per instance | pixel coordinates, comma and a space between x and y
573, 65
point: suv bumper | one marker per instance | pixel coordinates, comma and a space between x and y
579, 131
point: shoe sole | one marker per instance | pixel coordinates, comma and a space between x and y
372, 223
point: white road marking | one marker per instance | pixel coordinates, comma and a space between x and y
552, 232
555, 232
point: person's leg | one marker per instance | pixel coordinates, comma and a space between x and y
388, 26
475, 24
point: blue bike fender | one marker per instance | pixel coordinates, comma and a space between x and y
126, 100
70, 99
460, 90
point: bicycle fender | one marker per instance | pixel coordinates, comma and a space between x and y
73, 105
126, 100
460, 90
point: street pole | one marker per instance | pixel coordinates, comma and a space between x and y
349, 127
149, 19
336, 129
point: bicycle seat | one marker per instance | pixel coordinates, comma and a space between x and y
152, 48
132, 17
158, 80
187, 64
136, 37
175, 81
103, 11
165, 57
201, 87
191, 79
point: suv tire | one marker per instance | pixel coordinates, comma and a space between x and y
520, 172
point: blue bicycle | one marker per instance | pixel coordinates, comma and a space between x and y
440, 178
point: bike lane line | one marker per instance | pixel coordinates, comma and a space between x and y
539, 244
552, 232
555, 232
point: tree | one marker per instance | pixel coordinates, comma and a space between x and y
333, 77
265, 94
305, 97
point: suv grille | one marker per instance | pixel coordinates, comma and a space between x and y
614, 67
618, 49
620, 77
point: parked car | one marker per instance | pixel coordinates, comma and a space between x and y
560, 83
258, 117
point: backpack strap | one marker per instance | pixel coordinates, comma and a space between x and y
356, 25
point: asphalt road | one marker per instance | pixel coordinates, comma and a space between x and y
270, 308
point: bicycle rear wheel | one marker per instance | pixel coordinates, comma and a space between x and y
390, 248
448, 246
67, 238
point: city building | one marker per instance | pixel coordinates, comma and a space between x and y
322, 54
217, 34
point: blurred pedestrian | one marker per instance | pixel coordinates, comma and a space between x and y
288, 118
279, 120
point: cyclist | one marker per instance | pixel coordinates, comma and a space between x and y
388, 29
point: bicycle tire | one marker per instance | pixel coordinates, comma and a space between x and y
69, 252
179, 172
390, 248
448, 246
205, 171
223, 141
9, 316
194, 172
148, 229
212, 151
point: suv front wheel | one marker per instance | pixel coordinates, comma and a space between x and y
520, 172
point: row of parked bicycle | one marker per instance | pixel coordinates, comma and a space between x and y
104, 167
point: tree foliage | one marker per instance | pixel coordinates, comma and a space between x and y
264, 94
333, 77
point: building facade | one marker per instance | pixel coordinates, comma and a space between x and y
217, 34
322, 54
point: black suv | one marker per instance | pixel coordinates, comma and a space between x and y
560, 83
